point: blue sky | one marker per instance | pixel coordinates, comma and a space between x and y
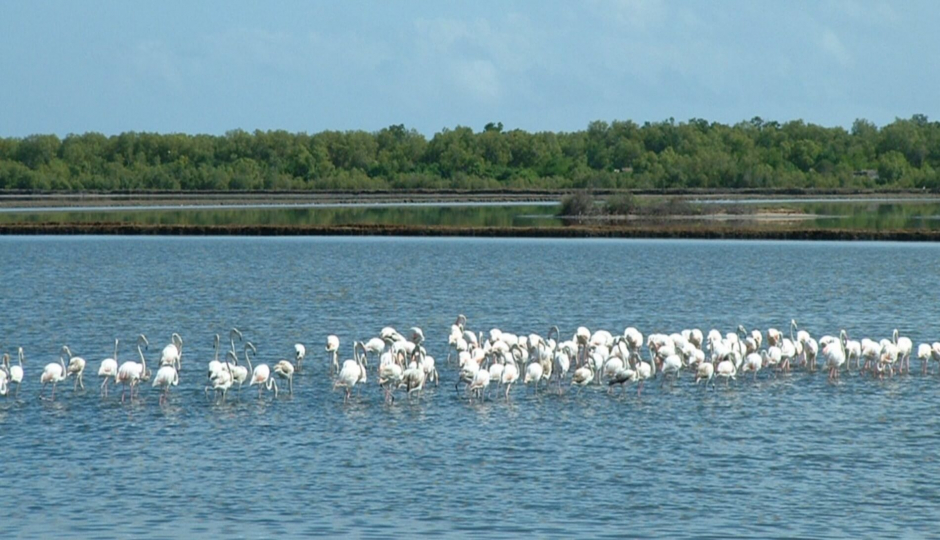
211, 66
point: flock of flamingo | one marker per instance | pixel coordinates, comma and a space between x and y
500, 359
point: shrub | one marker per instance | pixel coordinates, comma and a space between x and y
621, 204
578, 204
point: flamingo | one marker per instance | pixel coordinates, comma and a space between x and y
232, 334
581, 376
240, 373
222, 379
533, 374
904, 346
172, 354
671, 365
510, 376
479, 384
934, 351
53, 373
350, 374
834, 355
299, 353
622, 376
705, 372
413, 379
332, 347
108, 369
130, 373
285, 370
214, 365
644, 371
76, 367
469, 368
924, 352
261, 376
870, 351
390, 375
375, 346
166, 376
727, 369
16, 372
753, 362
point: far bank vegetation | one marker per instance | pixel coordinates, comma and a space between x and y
620, 155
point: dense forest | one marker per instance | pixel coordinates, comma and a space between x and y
619, 155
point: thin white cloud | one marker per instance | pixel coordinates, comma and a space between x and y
833, 46
481, 58
152, 59
637, 14
480, 78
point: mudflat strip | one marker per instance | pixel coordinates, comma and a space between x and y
666, 230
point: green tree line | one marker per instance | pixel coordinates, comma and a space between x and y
615, 155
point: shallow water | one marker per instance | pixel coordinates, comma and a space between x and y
299, 215
782, 457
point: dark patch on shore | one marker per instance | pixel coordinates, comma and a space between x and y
666, 231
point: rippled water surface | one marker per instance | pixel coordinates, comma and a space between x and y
781, 457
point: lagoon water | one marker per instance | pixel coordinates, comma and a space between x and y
783, 457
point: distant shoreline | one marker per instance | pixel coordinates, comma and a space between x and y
751, 226
131, 199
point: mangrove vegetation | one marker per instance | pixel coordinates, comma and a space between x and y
622, 155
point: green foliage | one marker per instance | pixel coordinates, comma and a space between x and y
621, 204
618, 155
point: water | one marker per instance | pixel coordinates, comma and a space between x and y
875, 214
416, 214
785, 457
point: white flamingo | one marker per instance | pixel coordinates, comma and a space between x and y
214, 365
671, 366
533, 374
479, 384
834, 355
705, 372
300, 352
727, 369
166, 376
390, 375
350, 374
285, 370
621, 377
240, 373
53, 373
76, 367
221, 380
582, 376
172, 354
924, 352
905, 347
130, 373
16, 372
413, 379
261, 376
332, 347
108, 369
509, 377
